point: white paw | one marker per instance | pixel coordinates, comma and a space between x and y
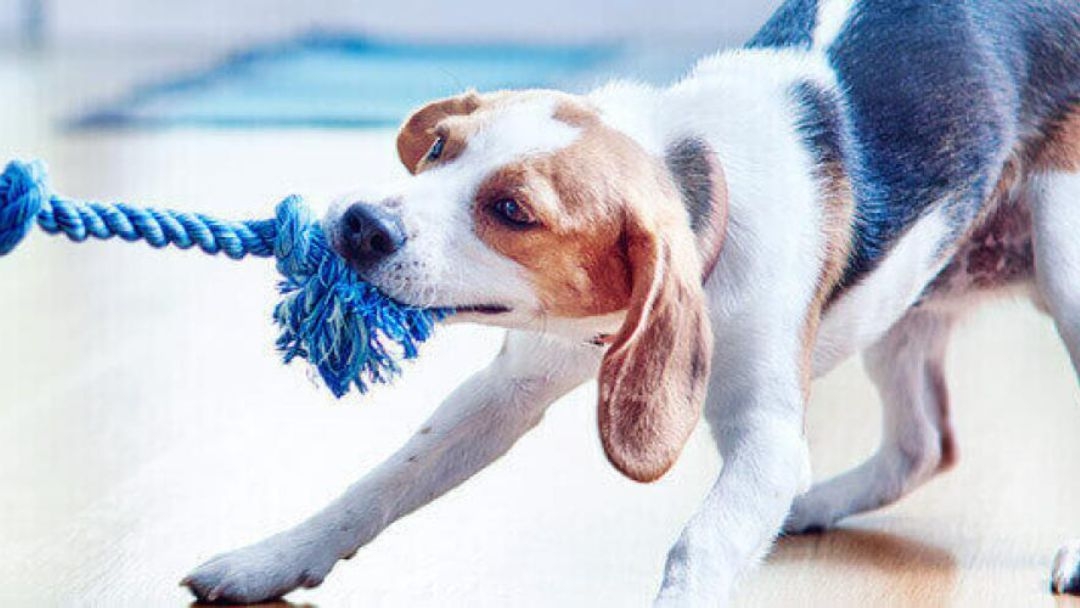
266, 570
1065, 577
694, 576
810, 514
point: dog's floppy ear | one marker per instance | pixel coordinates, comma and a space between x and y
654, 376
418, 133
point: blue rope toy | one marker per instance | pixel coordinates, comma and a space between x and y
349, 331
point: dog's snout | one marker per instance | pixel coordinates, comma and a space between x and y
371, 233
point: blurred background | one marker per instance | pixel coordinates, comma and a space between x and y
146, 422
192, 55
208, 22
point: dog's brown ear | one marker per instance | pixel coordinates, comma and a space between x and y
654, 376
418, 133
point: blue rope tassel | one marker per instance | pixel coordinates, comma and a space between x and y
350, 332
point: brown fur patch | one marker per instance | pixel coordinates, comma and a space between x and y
581, 196
573, 258
420, 130
456, 119
1060, 149
576, 114
838, 209
946, 437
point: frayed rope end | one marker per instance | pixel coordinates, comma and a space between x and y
349, 331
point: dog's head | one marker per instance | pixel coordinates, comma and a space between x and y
526, 210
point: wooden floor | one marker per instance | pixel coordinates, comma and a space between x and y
146, 423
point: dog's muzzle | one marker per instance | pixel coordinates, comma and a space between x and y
367, 234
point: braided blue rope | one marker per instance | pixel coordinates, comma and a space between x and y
350, 332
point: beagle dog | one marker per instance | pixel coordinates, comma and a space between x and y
852, 179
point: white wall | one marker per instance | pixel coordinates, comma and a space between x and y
9, 20
237, 21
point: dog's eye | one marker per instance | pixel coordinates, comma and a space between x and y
436, 149
514, 213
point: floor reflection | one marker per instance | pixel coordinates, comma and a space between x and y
893, 570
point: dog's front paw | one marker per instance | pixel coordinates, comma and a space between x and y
1065, 576
263, 571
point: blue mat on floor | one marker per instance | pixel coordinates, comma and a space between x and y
324, 80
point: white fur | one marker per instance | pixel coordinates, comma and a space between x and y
866, 311
831, 16
1056, 222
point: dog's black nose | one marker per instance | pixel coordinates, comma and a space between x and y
371, 233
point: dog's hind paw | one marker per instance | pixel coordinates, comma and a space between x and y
809, 515
264, 571
1065, 575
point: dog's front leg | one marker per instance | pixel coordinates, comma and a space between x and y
755, 410
473, 427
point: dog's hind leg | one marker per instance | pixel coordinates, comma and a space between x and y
917, 442
1056, 225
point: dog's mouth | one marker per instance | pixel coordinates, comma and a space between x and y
482, 309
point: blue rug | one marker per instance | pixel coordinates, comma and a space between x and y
324, 80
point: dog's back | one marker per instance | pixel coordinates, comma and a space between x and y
938, 96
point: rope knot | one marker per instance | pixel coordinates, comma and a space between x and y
22, 194
292, 243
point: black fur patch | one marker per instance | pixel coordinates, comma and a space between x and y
821, 123
938, 95
688, 160
792, 25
